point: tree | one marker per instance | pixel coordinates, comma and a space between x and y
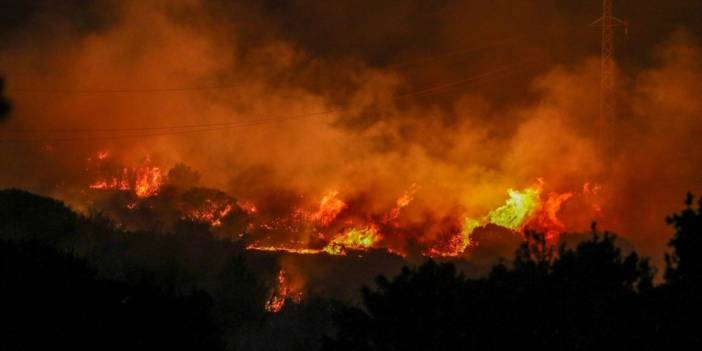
684, 264
4, 102
580, 298
53, 300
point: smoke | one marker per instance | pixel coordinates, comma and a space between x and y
279, 103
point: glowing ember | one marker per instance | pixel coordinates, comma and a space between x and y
247, 206
116, 183
282, 293
211, 212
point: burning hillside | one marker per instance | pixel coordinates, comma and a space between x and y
334, 224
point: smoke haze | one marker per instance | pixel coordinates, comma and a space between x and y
279, 103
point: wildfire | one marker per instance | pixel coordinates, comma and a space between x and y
546, 220
332, 227
247, 206
517, 209
289, 249
120, 182
401, 203
211, 212
145, 180
148, 181
522, 209
354, 239
282, 293
329, 208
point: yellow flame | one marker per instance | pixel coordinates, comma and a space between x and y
517, 209
355, 239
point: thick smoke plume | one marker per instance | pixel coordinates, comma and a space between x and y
281, 103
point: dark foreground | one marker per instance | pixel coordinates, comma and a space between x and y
82, 282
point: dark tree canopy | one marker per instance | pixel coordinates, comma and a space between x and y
570, 299
51, 300
4, 102
81, 281
685, 262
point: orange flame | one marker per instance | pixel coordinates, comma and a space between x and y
148, 181
402, 202
247, 206
211, 212
282, 293
329, 207
546, 220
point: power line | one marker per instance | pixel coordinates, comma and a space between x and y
115, 91
138, 132
98, 91
178, 132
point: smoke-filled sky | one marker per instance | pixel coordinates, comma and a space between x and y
463, 98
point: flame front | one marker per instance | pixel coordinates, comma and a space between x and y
145, 180
335, 226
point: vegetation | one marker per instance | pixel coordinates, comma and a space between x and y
83, 282
583, 298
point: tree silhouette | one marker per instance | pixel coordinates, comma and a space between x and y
53, 300
679, 301
581, 298
684, 264
4, 102
168, 270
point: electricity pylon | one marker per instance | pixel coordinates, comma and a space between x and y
608, 71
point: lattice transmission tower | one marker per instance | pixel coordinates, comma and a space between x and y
608, 72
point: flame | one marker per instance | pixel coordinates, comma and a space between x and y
522, 209
329, 207
323, 229
517, 209
283, 248
118, 183
354, 239
282, 293
401, 203
212, 212
546, 220
148, 181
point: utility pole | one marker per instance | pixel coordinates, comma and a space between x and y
608, 71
